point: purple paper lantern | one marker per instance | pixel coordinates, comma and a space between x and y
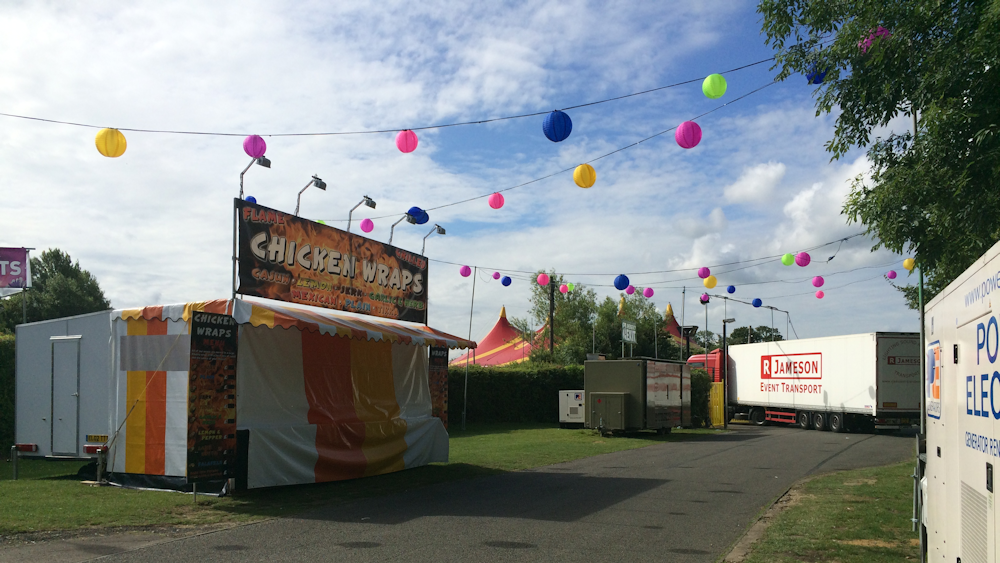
647, 293
704, 298
818, 281
465, 271
496, 275
406, 141
367, 225
802, 259
704, 272
543, 279
688, 134
254, 146
891, 274
630, 290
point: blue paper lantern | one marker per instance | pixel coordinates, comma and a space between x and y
621, 282
757, 302
505, 281
731, 289
251, 199
419, 215
815, 76
557, 126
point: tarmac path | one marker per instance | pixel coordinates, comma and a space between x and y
677, 501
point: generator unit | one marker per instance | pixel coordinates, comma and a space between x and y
637, 394
572, 408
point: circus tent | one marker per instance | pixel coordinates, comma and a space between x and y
501, 346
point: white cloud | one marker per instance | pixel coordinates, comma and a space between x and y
755, 184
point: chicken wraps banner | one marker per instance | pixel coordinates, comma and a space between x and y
290, 259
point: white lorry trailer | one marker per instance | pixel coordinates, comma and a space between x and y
962, 394
858, 381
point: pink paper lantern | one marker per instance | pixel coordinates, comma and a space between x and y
406, 141
820, 295
367, 225
465, 271
891, 274
496, 275
688, 134
543, 279
496, 201
647, 293
563, 288
802, 259
704, 298
254, 146
704, 272
630, 290
818, 281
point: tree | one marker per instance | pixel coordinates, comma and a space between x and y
651, 339
574, 311
59, 288
749, 334
933, 193
707, 340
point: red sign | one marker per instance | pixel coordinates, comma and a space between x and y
14, 268
792, 366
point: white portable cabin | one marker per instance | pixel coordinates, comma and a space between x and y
320, 395
63, 385
962, 395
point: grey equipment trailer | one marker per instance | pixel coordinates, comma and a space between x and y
637, 394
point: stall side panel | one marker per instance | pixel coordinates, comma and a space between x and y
96, 379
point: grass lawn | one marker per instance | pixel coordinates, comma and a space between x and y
853, 516
48, 496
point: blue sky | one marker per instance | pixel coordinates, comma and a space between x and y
154, 225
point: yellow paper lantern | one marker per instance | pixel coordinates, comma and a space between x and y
110, 143
710, 282
909, 263
584, 176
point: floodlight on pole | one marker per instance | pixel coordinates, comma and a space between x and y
262, 161
314, 182
409, 219
437, 229
365, 200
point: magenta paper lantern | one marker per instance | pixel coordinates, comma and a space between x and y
818, 281
496, 201
688, 134
802, 259
254, 146
630, 290
820, 295
891, 274
496, 275
704, 298
406, 141
647, 293
367, 225
704, 272
465, 271
543, 279
563, 288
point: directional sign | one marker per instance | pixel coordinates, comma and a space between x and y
628, 332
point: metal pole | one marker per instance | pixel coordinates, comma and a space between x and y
552, 315
923, 348
252, 160
706, 334
725, 380
236, 227
465, 388
194, 489
13, 460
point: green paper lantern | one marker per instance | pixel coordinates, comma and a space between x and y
714, 86
788, 259
571, 286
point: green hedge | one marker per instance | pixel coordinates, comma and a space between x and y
701, 384
6, 391
521, 393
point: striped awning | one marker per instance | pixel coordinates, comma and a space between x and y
312, 319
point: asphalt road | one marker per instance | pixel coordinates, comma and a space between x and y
680, 501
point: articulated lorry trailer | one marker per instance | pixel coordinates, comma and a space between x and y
853, 382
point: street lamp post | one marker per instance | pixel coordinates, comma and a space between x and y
409, 219
725, 374
314, 182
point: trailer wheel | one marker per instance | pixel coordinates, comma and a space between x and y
757, 416
836, 422
819, 421
803, 420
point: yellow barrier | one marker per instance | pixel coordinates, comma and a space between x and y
716, 404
